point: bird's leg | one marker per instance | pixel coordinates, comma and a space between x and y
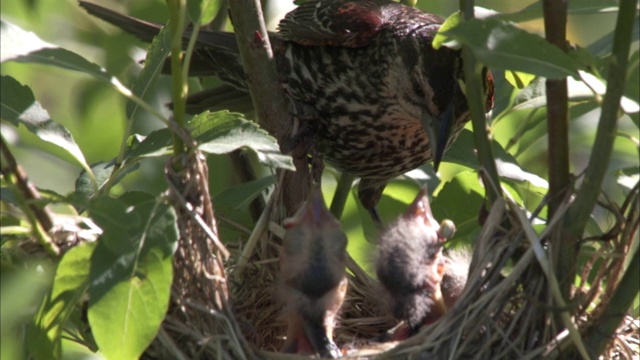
369, 193
318, 325
304, 127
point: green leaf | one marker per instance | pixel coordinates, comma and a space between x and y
19, 106
501, 45
460, 201
102, 172
44, 336
202, 11
440, 39
452, 21
17, 42
222, 132
157, 143
518, 80
218, 133
153, 64
240, 195
131, 272
26, 47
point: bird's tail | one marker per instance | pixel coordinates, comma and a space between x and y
215, 54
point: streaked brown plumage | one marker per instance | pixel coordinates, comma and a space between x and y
313, 280
367, 87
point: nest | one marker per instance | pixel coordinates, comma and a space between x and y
223, 305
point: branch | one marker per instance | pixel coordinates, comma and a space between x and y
555, 24
565, 247
269, 100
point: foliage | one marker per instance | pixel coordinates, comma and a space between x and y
109, 230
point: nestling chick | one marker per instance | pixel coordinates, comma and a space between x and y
411, 266
313, 280
455, 275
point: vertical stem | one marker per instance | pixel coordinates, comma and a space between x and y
555, 23
475, 98
340, 196
565, 247
179, 87
269, 100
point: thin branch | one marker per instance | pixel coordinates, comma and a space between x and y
555, 24
40, 219
179, 87
600, 332
269, 100
565, 247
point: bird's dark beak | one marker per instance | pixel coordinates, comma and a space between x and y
438, 130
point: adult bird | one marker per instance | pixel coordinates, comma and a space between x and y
411, 267
313, 281
367, 88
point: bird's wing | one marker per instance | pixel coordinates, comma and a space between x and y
345, 23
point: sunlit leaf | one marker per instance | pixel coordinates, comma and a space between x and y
26, 47
17, 42
518, 79
19, 106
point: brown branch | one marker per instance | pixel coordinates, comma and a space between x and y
29, 192
40, 220
269, 100
555, 23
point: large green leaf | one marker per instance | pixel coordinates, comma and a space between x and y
131, 272
502, 45
222, 132
44, 337
219, 133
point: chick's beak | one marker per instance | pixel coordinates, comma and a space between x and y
421, 209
